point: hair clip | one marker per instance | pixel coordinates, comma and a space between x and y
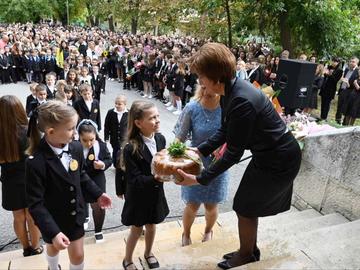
87, 122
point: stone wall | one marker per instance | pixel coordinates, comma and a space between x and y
329, 178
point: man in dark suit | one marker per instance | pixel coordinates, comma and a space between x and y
4, 67
350, 75
328, 89
97, 83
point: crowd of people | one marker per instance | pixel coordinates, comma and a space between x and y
157, 66
67, 70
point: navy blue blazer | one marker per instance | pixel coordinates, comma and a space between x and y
56, 197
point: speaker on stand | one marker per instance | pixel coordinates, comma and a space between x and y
295, 79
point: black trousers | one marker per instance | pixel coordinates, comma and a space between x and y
325, 107
341, 100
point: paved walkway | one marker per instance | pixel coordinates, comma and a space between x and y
113, 216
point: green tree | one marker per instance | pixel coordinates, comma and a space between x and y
24, 10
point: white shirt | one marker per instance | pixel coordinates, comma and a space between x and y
51, 88
150, 143
120, 114
66, 158
88, 104
41, 101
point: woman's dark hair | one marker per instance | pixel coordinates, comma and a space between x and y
214, 61
12, 118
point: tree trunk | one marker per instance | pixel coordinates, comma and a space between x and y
91, 21
134, 24
156, 29
227, 8
97, 21
111, 23
285, 33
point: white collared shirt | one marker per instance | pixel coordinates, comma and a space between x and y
41, 101
51, 88
88, 104
119, 114
66, 158
150, 143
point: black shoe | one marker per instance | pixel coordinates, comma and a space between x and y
37, 251
125, 266
226, 265
27, 252
256, 254
152, 265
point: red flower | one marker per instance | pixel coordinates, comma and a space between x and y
218, 153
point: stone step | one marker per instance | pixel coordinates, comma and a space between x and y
4, 265
293, 261
282, 218
110, 239
172, 239
198, 255
280, 244
231, 218
283, 231
334, 247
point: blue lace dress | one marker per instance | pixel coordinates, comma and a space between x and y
196, 123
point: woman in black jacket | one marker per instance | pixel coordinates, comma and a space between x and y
249, 121
328, 90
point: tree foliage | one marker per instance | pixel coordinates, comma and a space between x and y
24, 10
312, 26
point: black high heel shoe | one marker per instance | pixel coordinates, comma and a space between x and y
226, 265
256, 254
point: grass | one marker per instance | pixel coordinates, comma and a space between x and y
332, 112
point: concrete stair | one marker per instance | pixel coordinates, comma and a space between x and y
291, 240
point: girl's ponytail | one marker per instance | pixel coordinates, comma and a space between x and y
33, 133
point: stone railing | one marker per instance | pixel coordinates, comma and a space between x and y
329, 178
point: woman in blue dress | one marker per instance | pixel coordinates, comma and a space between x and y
199, 120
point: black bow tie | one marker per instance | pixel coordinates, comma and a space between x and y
61, 154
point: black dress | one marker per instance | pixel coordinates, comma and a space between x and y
145, 201
352, 103
13, 179
249, 121
318, 81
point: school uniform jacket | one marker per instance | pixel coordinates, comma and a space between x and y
50, 95
32, 106
98, 85
98, 176
145, 201
84, 113
114, 129
56, 196
29, 103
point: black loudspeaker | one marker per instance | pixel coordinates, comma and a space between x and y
295, 79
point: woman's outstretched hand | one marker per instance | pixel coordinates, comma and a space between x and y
189, 179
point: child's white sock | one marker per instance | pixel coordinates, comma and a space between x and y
178, 105
77, 267
53, 262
